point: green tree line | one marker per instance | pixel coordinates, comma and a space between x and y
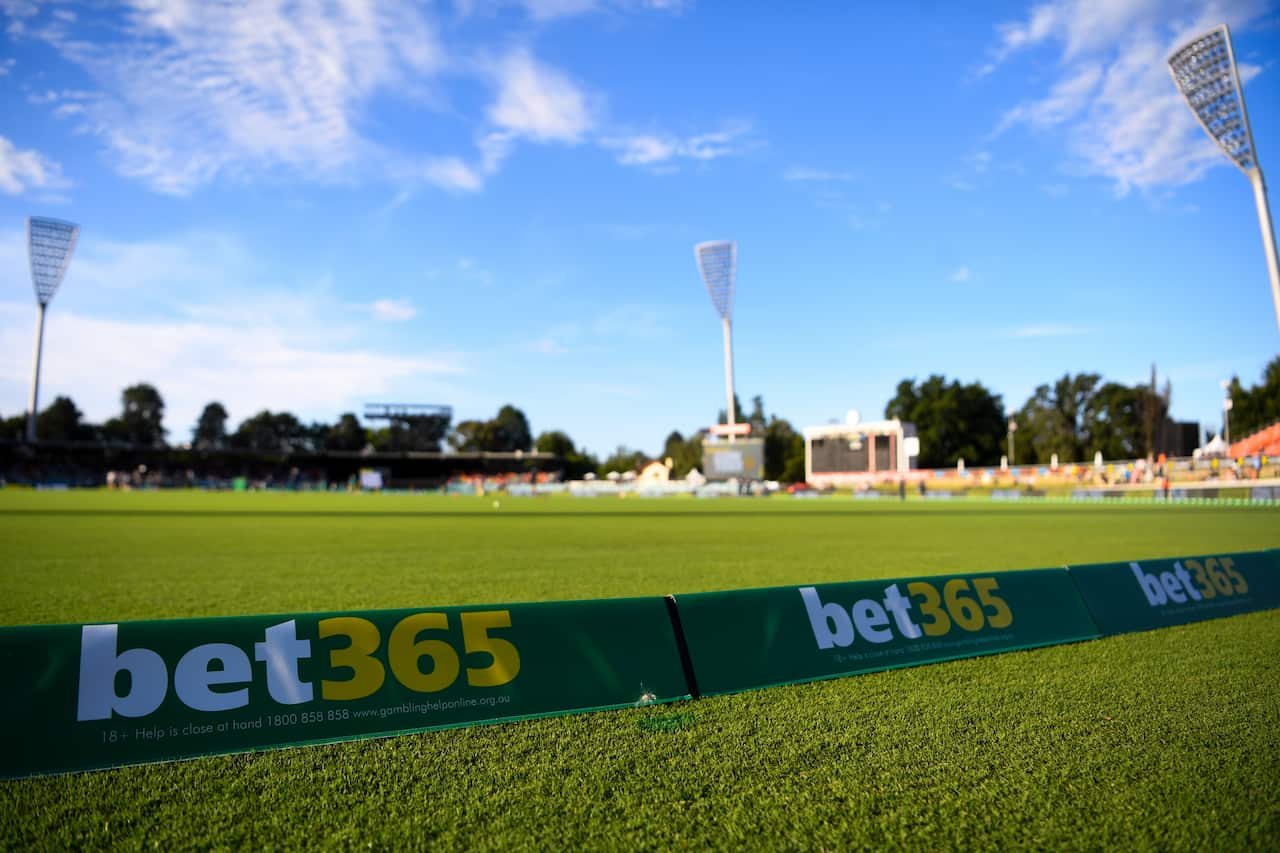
1073, 417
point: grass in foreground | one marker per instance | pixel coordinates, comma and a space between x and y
1166, 739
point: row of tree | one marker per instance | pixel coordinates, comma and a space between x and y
1072, 418
1258, 407
139, 421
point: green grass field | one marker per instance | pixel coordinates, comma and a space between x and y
1168, 739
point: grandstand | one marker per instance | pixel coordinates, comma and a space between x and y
1264, 442
88, 464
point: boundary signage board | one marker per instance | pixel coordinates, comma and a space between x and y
1139, 595
91, 696
762, 637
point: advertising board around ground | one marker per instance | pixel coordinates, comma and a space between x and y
756, 638
81, 697
1139, 595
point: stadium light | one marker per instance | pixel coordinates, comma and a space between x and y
50, 243
718, 265
1227, 405
1204, 70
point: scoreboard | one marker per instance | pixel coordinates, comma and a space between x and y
741, 458
850, 453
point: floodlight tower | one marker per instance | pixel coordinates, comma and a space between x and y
50, 243
718, 264
1204, 70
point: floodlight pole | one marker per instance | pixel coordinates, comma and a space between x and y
1268, 237
1227, 405
718, 264
35, 376
728, 367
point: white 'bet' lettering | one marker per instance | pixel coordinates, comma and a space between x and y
100, 663
192, 677
1166, 587
832, 626
281, 652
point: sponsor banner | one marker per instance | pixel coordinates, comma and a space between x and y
82, 697
761, 637
1146, 594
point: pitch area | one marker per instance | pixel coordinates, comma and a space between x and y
1164, 739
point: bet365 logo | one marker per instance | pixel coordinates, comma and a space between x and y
219, 676
869, 618
1191, 580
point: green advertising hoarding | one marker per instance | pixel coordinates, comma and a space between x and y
761, 637
102, 695
1141, 595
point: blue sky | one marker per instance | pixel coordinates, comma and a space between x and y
313, 205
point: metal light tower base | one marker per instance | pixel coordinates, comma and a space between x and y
1268, 236
33, 406
728, 368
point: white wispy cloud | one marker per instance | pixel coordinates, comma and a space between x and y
1111, 99
191, 267
548, 10
1065, 100
452, 173
650, 149
194, 315
960, 275
193, 362
24, 169
6, 66
544, 10
18, 12
185, 94
196, 90
538, 102
393, 310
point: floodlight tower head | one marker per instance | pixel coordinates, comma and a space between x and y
1204, 70
718, 264
50, 243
